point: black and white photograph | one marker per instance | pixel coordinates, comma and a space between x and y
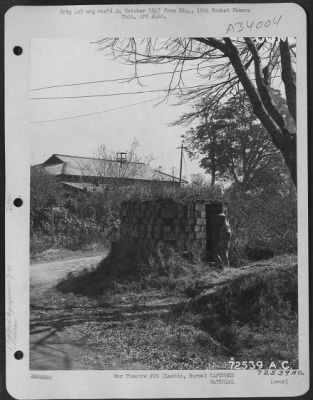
163, 211
163, 231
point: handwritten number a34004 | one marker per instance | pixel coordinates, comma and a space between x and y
242, 26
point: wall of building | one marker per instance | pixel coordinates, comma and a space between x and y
182, 226
116, 181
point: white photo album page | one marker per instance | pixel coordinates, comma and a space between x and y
156, 201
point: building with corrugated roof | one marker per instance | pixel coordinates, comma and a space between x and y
95, 174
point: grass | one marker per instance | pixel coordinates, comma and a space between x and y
255, 316
137, 267
251, 316
155, 192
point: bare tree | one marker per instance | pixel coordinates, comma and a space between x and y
108, 165
130, 166
112, 169
224, 65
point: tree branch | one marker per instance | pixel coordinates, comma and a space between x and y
262, 87
289, 78
212, 42
256, 101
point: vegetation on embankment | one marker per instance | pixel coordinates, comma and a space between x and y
255, 317
247, 313
139, 267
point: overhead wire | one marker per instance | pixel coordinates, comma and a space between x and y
98, 112
110, 80
114, 94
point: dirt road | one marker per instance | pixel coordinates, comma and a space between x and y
58, 339
50, 348
46, 274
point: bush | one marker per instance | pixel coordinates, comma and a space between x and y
250, 304
264, 223
258, 253
41, 245
78, 223
139, 266
157, 192
74, 233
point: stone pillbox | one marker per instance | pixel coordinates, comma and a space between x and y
181, 225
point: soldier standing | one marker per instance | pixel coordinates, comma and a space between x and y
221, 250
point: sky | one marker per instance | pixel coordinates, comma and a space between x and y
55, 127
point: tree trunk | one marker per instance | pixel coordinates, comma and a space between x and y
289, 152
289, 78
213, 170
212, 151
282, 138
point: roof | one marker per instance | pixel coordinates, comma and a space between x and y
60, 164
89, 187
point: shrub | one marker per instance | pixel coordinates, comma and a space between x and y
158, 192
139, 266
74, 233
79, 222
263, 222
250, 304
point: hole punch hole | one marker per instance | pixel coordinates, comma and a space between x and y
17, 50
18, 202
18, 355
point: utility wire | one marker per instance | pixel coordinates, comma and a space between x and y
97, 112
112, 80
114, 94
